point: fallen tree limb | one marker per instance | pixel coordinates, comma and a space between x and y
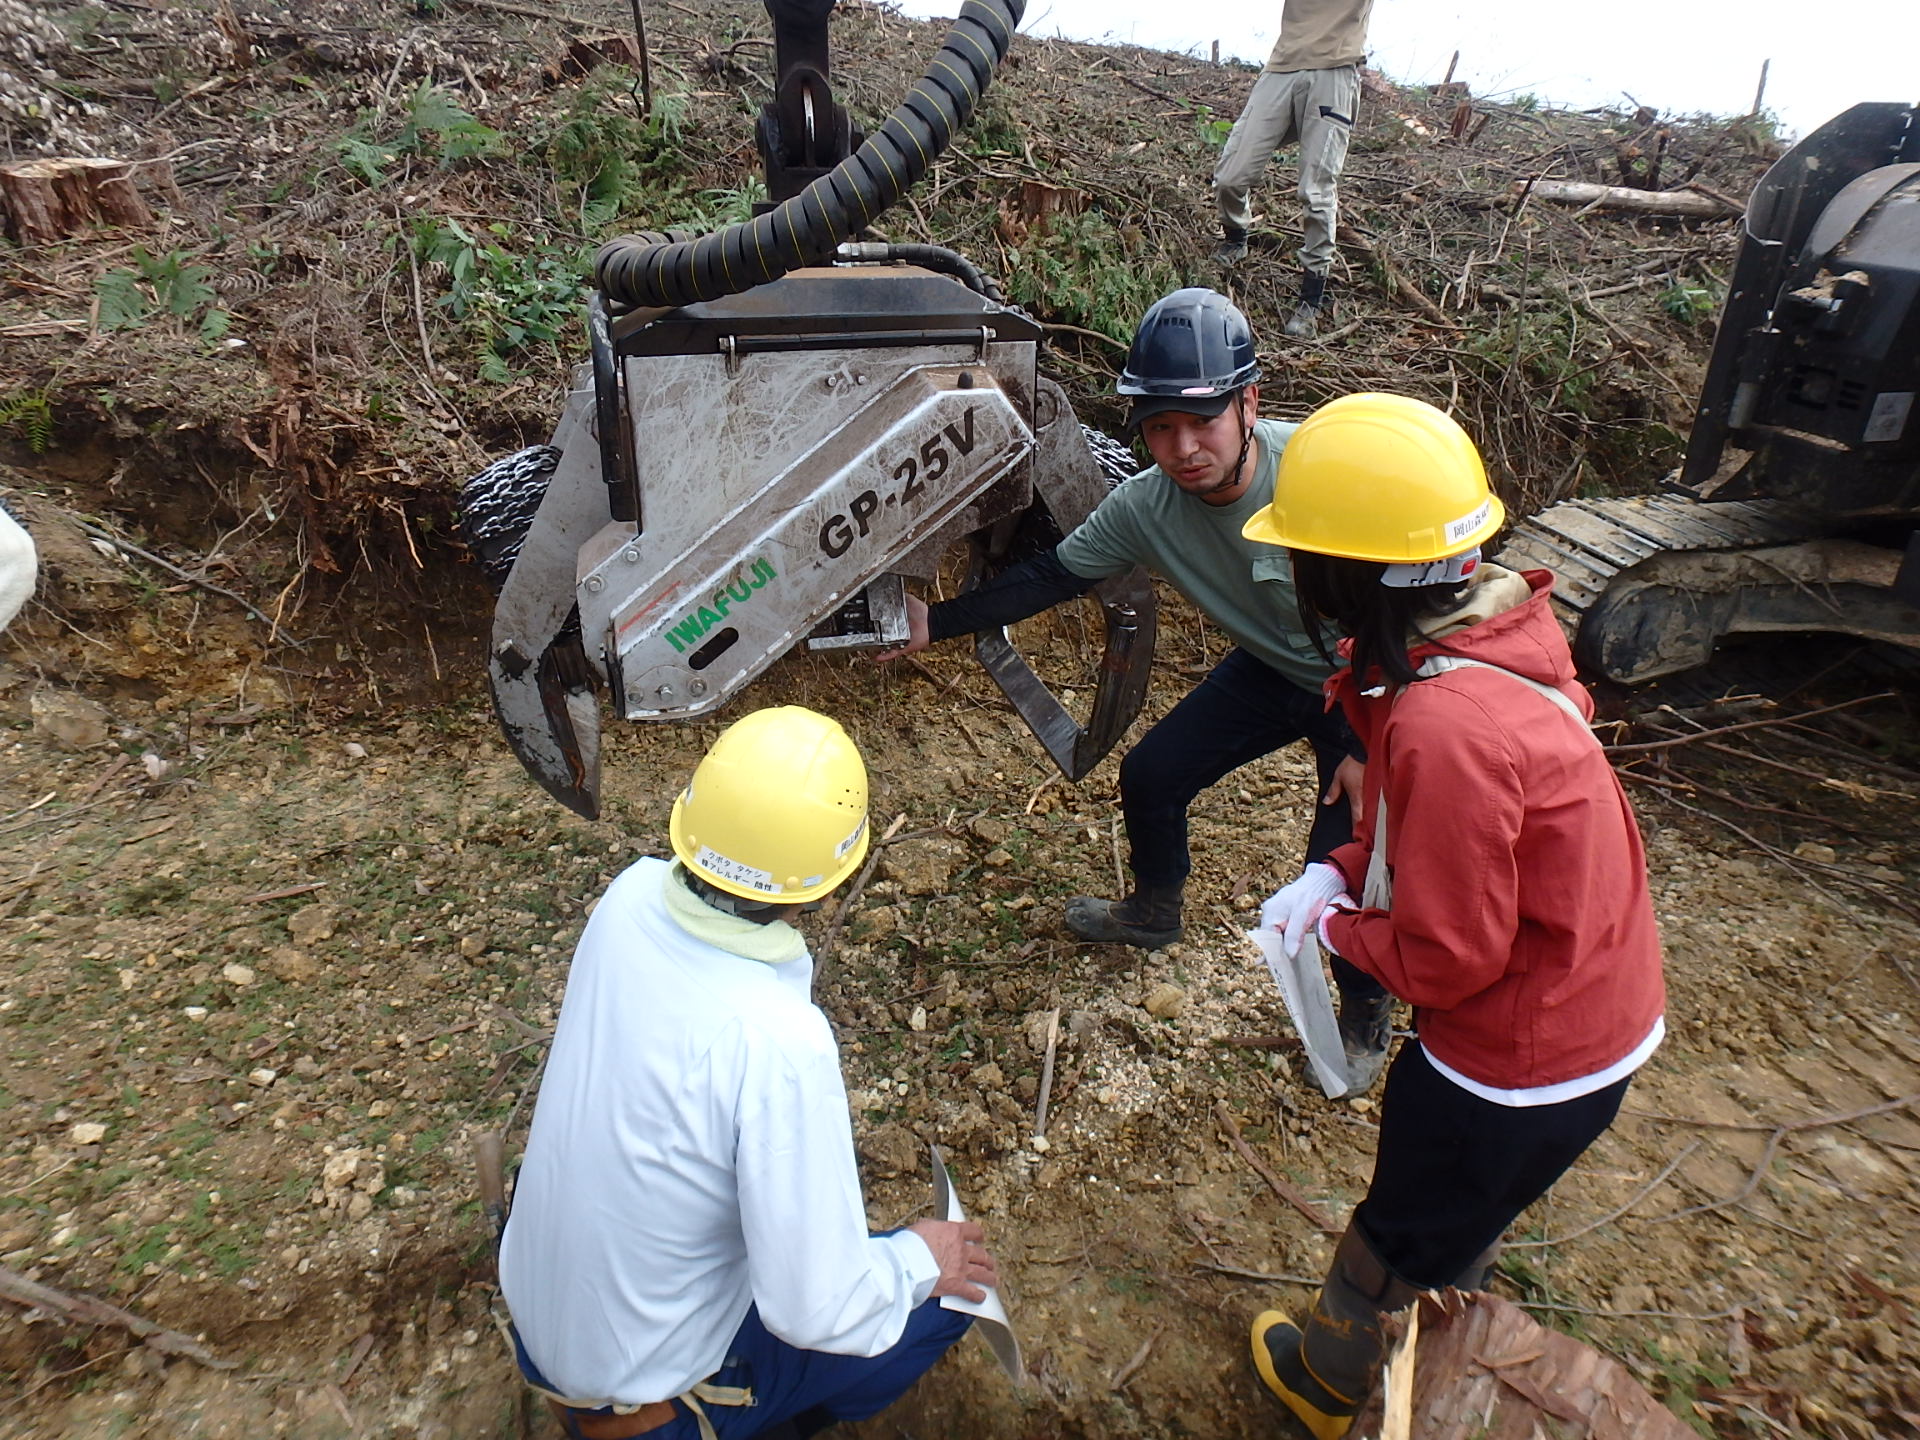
1776, 1134
1279, 1187
1397, 282
274, 629
1645, 746
1688, 204
85, 1310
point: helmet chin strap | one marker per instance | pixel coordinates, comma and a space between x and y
1232, 477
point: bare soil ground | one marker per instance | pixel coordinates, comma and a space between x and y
290, 941
284, 924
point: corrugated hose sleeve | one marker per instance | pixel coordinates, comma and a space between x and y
672, 269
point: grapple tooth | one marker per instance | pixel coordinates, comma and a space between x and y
551, 720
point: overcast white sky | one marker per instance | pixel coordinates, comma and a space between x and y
1680, 56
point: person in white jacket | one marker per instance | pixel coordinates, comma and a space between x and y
688, 1252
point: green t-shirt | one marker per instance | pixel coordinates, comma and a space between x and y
1243, 587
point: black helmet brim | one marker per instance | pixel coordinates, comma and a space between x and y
1205, 406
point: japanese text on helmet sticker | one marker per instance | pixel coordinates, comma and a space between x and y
714, 863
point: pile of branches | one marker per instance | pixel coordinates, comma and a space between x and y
363, 276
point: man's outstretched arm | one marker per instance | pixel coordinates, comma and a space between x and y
1014, 594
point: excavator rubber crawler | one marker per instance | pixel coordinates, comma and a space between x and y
1587, 543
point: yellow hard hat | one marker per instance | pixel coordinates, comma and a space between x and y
777, 811
1379, 477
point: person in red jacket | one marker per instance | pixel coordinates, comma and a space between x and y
1498, 883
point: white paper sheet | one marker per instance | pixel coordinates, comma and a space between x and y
990, 1315
1303, 985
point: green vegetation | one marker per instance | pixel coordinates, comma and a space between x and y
29, 414
1689, 304
1082, 270
506, 300
168, 284
435, 128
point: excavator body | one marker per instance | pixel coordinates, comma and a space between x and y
1798, 505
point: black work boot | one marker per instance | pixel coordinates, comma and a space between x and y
1324, 1372
1366, 1030
1149, 917
1315, 304
1232, 248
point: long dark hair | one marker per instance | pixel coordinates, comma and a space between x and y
1348, 596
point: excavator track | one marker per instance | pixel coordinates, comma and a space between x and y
1590, 544
1586, 543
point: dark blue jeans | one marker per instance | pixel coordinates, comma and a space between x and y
1242, 710
809, 1388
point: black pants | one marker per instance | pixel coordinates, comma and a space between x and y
1454, 1170
1242, 710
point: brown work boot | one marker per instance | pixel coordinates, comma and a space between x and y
1324, 1371
1149, 917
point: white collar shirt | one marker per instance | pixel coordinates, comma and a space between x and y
691, 1155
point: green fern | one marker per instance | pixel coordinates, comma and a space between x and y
123, 305
30, 413
1081, 270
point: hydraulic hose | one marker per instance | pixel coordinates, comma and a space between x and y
929, 257
656, 269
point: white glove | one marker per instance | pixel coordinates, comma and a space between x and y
1293, 909
1341, 904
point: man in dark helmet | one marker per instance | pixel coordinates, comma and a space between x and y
1193, 379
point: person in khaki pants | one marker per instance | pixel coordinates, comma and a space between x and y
1307, 94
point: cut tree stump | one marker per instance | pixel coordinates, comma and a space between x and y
1689, 204
61, 196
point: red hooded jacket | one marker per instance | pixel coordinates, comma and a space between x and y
1521, 929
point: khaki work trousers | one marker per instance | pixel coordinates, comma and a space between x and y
1313, 107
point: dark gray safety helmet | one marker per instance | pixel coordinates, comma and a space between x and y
1193, 352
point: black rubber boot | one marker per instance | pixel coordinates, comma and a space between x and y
1149, 917
1324, 1372
1366, 1030
1232, 248
1315, 304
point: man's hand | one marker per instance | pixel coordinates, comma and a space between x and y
962, 1256
916, 632
1349, 776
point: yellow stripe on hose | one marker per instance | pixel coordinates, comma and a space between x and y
766, 271
892, 179
902, 127
983, 13
966, 81
991, 61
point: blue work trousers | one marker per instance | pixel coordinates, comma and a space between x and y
807, 1390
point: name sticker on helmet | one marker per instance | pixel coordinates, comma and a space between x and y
840, 850
1467, 524
728, 869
